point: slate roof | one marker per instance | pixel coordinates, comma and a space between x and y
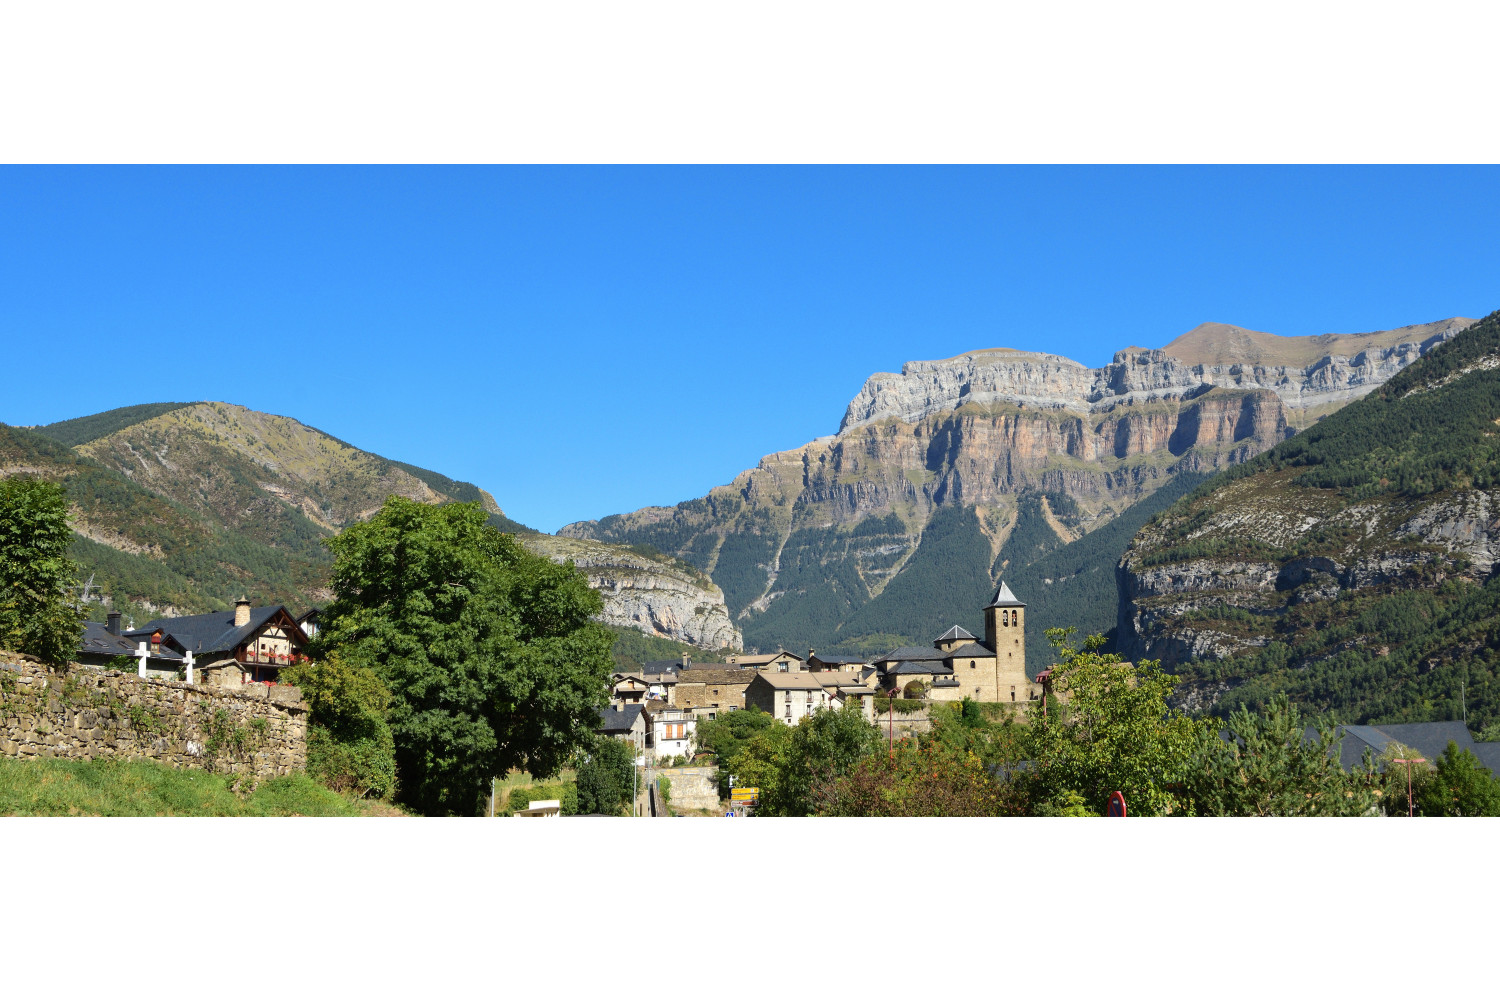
661, 667
945, 683
207, 633
98, 640
920, 667
913, 654
832, 658
618, 720
1429, 739
956, 632
971, 650
1004, 597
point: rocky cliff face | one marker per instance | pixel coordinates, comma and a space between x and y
1324, 374
659, 596
983, 430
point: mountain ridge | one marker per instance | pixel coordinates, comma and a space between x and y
986, 434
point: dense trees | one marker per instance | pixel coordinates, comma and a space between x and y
1263, 765
793, 764
604, 778
489, 652
36, 575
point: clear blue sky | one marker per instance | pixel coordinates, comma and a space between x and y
583, 341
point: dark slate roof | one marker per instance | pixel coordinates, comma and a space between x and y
1429, 739
1004, 597
98, 640
913, 654
971, 650
661, 667
956, 632
921, 667
618, 720
207, 633
945, 683
832, 658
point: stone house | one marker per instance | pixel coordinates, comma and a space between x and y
788, 696
836, 662
627, 724
781, 661
236, 647
712, 689
629, 689
843, 687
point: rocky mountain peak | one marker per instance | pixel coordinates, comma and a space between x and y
1313, 375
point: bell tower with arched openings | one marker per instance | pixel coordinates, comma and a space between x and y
1005, 634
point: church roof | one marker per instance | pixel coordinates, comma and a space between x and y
1004, 597
956, 632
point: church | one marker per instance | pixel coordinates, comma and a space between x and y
960, 665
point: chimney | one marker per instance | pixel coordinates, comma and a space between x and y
113, 625
687, 661
241, 612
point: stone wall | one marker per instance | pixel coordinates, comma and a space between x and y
692, 786
85, 714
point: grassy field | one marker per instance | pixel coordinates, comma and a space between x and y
141, 788
520, 778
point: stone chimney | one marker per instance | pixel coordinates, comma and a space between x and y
113, 624
687, 661
241, 612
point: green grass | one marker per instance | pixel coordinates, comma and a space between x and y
142, 788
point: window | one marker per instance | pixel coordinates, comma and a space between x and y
971, 664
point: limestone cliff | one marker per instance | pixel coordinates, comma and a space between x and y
811, 535
657, 595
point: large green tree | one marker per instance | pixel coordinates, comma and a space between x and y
1458, 786
795, 766
490, 653
36, 575
1117, 733
1263, 765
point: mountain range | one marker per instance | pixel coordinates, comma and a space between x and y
951, 474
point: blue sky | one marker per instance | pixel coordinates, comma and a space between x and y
583, 341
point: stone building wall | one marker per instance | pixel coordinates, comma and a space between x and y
692, 786
257, 731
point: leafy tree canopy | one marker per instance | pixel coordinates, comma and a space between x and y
489, 652
36, 575
1459, 786
1118, 732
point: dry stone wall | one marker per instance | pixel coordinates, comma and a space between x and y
256, 731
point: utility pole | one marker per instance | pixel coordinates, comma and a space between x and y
1411, 807
890, 726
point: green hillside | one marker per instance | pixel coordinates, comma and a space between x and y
188, 505
1370, 521
1073, 585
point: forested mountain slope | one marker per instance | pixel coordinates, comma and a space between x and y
1353, 566
952, 472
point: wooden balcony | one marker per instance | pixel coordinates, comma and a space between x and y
264, 657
